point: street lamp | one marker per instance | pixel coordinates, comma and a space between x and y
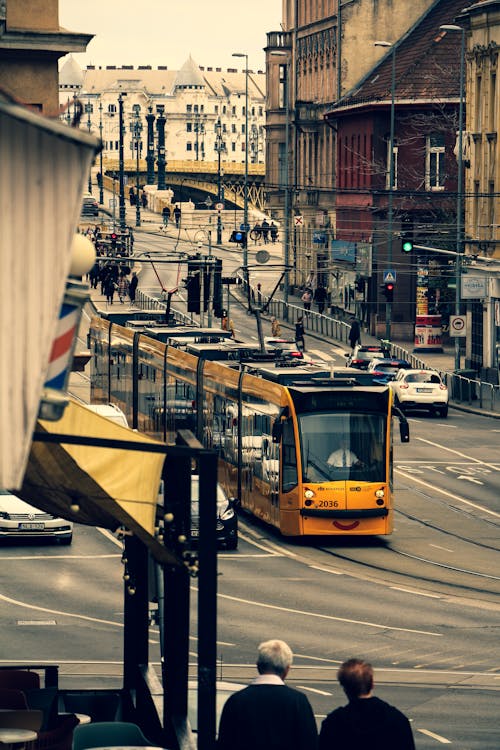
218, 146
101, 179
458, 260
136, 130
123, 222
286, 248
245, 184
390, 207
88, 110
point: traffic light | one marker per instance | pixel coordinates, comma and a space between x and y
218, 288
113, 240
239, 236
193, 286
387, 289
406, 242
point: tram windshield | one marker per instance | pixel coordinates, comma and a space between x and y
342, 446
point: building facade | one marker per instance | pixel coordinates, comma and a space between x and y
31, 43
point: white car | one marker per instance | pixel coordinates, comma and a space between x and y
19, 520
420, 389
286, 348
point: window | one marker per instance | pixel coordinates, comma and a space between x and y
189, 146
388, 173
224, 109
282, 87
216, 109
233, 127
233, 146
434, 162
261, 111
233, 110
243, 128
189, 127
189, 107
195, 108
112, 109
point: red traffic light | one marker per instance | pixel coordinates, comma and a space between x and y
389, 287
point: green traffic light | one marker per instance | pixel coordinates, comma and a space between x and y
407, 246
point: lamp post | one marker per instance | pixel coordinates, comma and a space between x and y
150, 154
218, 146
160, 127
390, 206
122, 215
88, 110
136, 130
245, 184
458, 259
101, 179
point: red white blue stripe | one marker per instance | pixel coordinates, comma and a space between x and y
62, 348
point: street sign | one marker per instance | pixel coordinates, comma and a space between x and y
389, 276
230, 280
219, 206
457, 325
298, 220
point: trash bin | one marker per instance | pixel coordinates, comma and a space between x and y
464, 390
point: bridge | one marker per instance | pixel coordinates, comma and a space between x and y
201, 179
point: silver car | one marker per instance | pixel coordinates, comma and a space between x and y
19, 520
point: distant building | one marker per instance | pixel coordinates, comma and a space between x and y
194, 99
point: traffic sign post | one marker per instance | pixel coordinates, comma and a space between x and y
457, 325
389, 276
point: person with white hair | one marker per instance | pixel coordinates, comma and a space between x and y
268, 713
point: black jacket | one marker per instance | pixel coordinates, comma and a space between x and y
267, 717
366, 724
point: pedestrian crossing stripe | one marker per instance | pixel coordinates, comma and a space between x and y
322, 355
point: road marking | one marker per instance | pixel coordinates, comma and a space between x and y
331, 618
417, 593
470, 459
413, 478
322, 355
470, 479
327, 570
443, 548
313, 690
434, 736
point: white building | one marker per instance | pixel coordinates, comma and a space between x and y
194, 100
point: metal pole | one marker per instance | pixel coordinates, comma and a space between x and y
245, 193
286, 249
458, 261
123, 222
388, 306
89, 127
101, 181
219, 197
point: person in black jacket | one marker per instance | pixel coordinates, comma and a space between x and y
366, 721
268, 714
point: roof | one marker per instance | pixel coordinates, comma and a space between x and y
189, 76
426, 64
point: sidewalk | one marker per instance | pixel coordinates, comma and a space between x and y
444, 362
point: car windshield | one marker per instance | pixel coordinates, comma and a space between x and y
423, 377
342, 446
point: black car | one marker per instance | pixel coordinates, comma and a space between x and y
90, 207
361, 357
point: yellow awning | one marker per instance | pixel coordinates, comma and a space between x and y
95, 485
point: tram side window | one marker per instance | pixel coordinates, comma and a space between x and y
289, 456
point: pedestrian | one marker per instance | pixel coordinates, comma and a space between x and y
268, 714
366, 721
274, 232
109, 288
275, 328
265, 231
144, 199
122, 288
320, 297
166, 215
177, 216
132, 287
299, 333
230, 327
354, 333
307, 298
131, 196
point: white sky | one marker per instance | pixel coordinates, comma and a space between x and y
164, 32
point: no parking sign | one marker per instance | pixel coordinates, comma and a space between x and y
457, 325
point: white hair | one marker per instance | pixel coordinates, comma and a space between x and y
274, 656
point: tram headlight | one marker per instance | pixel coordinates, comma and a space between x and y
380, 493
308, 494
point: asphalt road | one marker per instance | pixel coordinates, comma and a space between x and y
422, 605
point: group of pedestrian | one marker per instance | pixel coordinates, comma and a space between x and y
319, 296
270, 714
114, 280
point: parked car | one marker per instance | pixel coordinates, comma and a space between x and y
420, 389
361, 356
226, 518
90, 207
19, 520
386, 369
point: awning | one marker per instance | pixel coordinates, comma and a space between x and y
98, 485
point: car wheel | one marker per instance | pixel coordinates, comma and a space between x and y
443, 412
67, 540
232, 544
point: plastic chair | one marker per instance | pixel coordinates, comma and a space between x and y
108, 734
23, 719
13, 699
19, 679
